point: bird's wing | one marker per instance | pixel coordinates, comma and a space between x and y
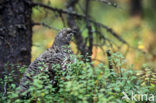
43, 63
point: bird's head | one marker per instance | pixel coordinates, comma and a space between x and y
64, 36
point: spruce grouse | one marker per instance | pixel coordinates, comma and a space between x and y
58, 53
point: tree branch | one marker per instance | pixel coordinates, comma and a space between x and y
79, 16
110, 30
45, 25
33, 4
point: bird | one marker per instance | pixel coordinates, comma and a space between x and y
58, 53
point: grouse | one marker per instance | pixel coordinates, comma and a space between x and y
58, 53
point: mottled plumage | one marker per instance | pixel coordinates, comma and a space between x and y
59, 53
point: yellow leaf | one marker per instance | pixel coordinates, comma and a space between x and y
141, 46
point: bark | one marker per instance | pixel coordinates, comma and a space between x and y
136, 7
15, 33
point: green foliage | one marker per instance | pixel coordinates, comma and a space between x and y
83, 83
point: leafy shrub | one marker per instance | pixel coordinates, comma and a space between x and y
83, 83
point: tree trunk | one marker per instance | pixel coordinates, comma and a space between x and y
136, 7
15, 33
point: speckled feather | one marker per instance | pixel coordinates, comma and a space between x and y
58, 53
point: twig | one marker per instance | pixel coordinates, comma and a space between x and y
5, 89
110, 30
45, 25
57, 9
63, 21
106, 39
109, 60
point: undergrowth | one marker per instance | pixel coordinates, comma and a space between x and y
84, 83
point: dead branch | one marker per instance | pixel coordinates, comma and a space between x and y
45, 25
110, 30
33, 4
88, 25
79, 16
